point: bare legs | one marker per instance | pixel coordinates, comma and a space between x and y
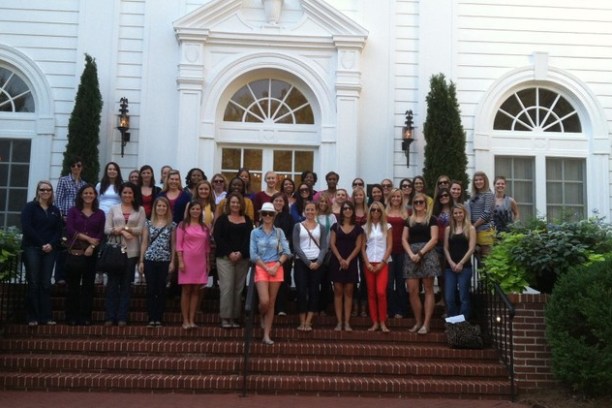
190, 299
422, 325
267, 292
343, 302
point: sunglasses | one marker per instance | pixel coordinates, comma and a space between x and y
406, 186
443, 182
218, 181
376, 210
357, 184
45, 190
387, 185
418, 202
304, 190
267, 214
78, 165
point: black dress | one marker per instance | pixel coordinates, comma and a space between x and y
345, 243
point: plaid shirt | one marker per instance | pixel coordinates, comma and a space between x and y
66, 192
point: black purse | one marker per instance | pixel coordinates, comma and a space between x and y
112, 257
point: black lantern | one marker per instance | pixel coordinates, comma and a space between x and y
407, 136
123, 123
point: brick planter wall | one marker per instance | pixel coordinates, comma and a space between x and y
532, 357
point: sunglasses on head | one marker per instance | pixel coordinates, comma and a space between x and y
267, 214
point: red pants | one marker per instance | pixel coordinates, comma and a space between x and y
377, 293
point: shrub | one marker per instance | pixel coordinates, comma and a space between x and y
540, 252
10, 246
578, 328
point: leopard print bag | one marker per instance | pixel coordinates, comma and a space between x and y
464, 335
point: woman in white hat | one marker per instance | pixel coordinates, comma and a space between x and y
269, 249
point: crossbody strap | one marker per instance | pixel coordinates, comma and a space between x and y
311, 236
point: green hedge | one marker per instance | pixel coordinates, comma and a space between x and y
579, 328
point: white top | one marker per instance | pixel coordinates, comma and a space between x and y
326, 221
108, 199
308, 246
376, 243
219, 197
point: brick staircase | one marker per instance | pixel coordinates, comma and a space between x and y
209, 359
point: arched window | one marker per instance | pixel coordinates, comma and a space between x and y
269, 101
537, 109
542, 178
15, 95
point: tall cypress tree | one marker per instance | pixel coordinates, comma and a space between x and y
444, 134
84, 124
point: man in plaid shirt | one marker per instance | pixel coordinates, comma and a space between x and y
65, 194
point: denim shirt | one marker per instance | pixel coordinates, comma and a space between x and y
265, 246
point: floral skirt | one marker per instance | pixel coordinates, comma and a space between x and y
428, 267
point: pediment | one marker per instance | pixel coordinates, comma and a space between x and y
305, 21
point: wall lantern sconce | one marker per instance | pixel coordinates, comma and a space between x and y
407, 136
123, 123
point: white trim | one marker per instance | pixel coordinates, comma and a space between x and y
38, 126
593, 143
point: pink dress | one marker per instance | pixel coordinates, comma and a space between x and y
194, 242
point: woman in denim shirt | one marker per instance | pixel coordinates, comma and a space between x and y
269, 249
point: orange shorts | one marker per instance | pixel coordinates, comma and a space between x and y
262, 276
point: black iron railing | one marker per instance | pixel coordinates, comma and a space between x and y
12, 292
248, 329
496, 315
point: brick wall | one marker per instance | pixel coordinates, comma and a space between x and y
532, 357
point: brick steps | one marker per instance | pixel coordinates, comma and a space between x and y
306, 384
286, 365
136, 358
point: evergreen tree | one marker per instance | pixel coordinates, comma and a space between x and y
84, 124
444, 135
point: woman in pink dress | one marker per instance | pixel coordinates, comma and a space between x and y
193, 248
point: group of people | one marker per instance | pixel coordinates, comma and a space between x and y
377, 245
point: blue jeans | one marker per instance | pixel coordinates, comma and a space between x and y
397, 297
156, 273
461, 280
39, 269
118, 292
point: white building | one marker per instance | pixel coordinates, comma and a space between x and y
324, 84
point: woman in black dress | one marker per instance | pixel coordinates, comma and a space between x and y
345, 243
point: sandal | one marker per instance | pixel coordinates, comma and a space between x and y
338, 327
384, 329
373, 328
423, 330
347, 327
267, 342
307, 327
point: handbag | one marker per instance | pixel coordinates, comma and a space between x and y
464, 335
112, 257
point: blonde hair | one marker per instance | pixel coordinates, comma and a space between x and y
324, 197
51, 196
486, 186
383, 219
168, 217
364, 205
466, 221
403, 209
412, 218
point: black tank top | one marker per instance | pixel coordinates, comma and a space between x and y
458, 245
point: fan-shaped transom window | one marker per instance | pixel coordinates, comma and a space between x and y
269, 101
15, 95
537, 109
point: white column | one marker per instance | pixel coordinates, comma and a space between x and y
348, 89
190, 86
